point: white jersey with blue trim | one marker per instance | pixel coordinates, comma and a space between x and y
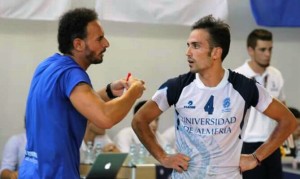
261, 126
210, 121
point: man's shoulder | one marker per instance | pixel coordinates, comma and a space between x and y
274, 71
244, 69
17, 137
235, 76
240, 68
181, 78
179, 81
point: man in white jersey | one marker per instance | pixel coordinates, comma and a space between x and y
260, 126
211, 105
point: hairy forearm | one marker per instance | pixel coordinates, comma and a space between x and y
278, 136
8, 174
103, 95
147, 137
118, 108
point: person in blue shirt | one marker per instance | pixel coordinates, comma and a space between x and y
61, 99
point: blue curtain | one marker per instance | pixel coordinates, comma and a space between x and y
276, 13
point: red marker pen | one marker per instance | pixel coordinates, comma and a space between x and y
127, 79
128, 76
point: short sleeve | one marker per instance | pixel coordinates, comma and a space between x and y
264, 99
72, 78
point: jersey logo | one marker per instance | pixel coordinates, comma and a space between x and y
190, 105
226, 105
274, 87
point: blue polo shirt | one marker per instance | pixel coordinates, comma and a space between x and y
55, 129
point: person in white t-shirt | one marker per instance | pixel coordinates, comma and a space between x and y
13, 155
126, 136
260, 126
97, 137
211, 104
169, 136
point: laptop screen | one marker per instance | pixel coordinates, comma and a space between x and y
106, 165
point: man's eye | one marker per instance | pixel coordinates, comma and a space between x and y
99, 39
263, 49
196, 46
193, 45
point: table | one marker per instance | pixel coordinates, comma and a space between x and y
291, 168
150, 169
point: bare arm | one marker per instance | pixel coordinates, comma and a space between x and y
110, 148
105, 114
117, 89
8, 174
286, 125
140, 124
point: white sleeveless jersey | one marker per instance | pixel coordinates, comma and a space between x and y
210, 121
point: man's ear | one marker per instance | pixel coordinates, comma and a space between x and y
78, 44
216, 53
250, 51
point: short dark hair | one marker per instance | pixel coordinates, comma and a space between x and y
73, 24
219, 32
138, 106
295, 112
258, 34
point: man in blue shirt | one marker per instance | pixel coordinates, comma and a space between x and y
61, 99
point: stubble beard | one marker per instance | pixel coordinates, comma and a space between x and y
93, 58
263, 65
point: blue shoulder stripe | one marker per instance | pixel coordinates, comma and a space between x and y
248, 90
245, 86
176, 85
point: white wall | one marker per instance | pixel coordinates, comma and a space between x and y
150, 52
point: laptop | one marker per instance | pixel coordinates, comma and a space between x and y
106, 166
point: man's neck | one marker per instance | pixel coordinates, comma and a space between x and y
82, 63
212, 78
256, 68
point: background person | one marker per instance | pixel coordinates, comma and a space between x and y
126, 136
13, 155
260, 126
99, 141
296, 133
210, 107
61, 99
98, 136
169, 136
